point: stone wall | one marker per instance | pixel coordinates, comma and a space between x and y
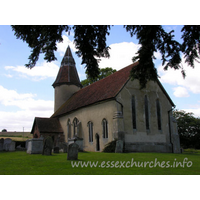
148, 147
95, 114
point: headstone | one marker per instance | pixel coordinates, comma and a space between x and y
119, 146
72, 151
78, 141
6, 144
26, 145
1, 144
65, 146
12, 146
48, 146
35, 146
56, 149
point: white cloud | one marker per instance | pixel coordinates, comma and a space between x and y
121, 55
62, 46
180, 92
29, 108
174, 77
24, 101
195, 111
15, 121
8, 75
39, 72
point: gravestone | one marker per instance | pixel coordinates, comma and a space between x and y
56, 149
35, 146
119, 146
6, 144
1, 144
72, 151
26, 145
48, 146
78, 141
65, 146
12, 146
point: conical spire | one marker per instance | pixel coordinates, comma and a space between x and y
67, 73
68, 58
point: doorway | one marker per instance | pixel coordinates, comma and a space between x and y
97, 142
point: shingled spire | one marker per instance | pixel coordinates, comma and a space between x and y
67, 81
67, 73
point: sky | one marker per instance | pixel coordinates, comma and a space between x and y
26, 94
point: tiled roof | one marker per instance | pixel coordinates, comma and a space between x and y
101, 90
47, 125
67, 73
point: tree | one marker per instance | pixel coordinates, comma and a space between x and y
91, 44
104, 72
188, 129
4, 130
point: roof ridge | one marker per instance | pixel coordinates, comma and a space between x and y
133, 64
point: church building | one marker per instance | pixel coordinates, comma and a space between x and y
113, 108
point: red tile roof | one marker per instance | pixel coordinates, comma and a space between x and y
101, 90
47, 125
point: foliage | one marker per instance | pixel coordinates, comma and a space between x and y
91, 45
104, 72
110, 147
188, 129
4, 130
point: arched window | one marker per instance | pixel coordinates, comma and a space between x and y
146, 103
158, 113
133, 112
75, 123
105, 128
69, 128
90, 129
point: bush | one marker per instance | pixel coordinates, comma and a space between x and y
110, 147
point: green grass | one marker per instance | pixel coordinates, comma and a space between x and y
21, 163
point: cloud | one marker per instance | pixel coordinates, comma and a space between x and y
37, 73
174, 77
195, 111
62, 46
29, 108
180, 92
15, 121
121, 55
23, 101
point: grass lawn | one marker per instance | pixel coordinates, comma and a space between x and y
21, 163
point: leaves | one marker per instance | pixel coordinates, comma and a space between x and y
41, 39
191, 43
104, 72
188, 129
91, 44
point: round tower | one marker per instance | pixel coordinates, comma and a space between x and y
67, 81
